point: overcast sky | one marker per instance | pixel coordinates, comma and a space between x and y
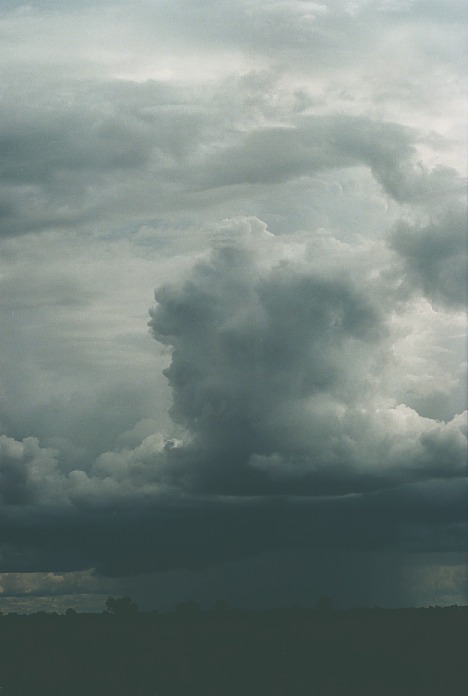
232, 289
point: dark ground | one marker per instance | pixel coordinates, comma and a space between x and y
291, 652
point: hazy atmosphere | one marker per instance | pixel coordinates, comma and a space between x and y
232, 291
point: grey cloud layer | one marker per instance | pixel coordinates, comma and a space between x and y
123, 152
436, 256
71, 156
316, 144
315, 375
286, 428
138, 537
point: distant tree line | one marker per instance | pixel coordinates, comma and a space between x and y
126, 607
295, 651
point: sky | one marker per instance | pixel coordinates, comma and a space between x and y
232, 291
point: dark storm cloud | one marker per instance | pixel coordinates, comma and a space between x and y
129, 538
25, 468
280, 444
271, 372
13, 476
435, 256
315, 398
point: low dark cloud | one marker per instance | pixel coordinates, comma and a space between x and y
436, 256
131, 538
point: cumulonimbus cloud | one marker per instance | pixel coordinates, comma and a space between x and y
286, 424
272, 372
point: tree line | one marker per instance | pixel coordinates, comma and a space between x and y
318, 651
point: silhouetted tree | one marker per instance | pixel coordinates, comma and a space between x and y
122, 606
